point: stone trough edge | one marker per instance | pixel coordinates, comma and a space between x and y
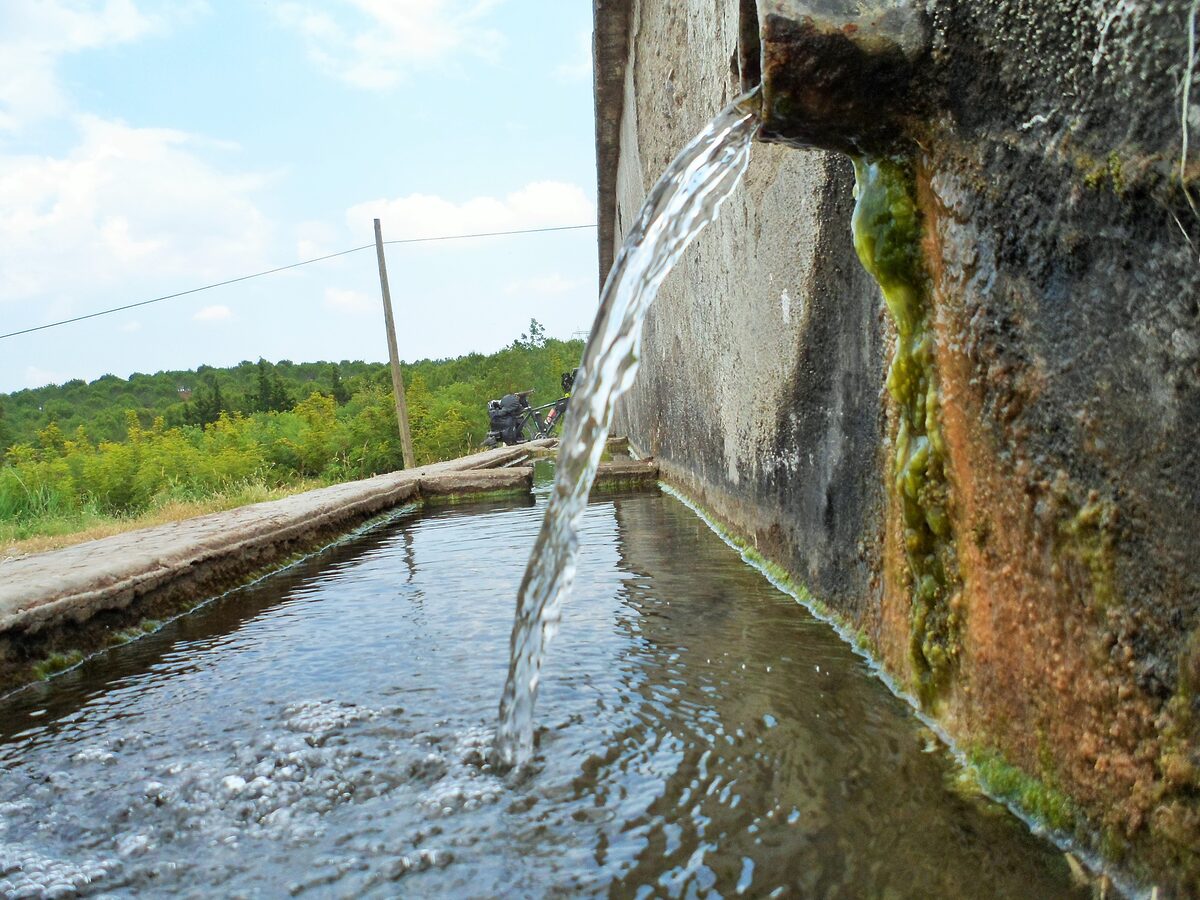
74, 583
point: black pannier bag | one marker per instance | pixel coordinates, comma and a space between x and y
505, 416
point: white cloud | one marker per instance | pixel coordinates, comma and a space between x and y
36, 34
124, 212
374, 44
218, 313
579, 68
314, 239
539, 204
127, 206
36, 377
552, 285
350, 301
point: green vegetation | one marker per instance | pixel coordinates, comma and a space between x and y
133, 632
1036, 798
78, 453
887, 236
57, 662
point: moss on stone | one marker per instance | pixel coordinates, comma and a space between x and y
125, 635
1116, 173
477, 496
863, 642
633, 482
887, 236
1177, 821
1094, 173
1035, 798
1088, 537
55, 663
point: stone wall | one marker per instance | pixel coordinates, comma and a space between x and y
760, 383
1056, 275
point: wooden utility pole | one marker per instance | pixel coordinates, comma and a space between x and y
410, 461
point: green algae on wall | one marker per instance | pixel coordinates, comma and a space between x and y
1088, 537
887, 236
55, 663
1035, 797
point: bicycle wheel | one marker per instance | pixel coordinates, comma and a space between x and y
529, 429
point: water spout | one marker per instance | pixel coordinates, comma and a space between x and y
835, 74
683, 201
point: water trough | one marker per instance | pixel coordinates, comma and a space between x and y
1025, 171
324, 731
59, 606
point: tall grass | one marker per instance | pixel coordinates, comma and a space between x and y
68, 484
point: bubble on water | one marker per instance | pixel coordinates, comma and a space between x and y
134, 844
319, 717
26, 873
11, 808
418, 861
94, 755
275, 785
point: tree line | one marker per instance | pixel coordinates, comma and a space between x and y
119, 447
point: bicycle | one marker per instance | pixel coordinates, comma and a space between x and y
514, 421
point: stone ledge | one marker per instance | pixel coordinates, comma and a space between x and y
631, 473
449, 486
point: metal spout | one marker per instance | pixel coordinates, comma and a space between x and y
835, 74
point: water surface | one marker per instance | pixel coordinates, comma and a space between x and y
325, 733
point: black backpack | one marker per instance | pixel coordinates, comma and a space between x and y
505, 416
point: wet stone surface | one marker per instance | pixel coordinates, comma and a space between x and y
325, 733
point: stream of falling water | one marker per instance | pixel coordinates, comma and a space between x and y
683, 201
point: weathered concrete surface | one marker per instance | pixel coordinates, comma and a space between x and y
611, 31
629, 473
763, 354
447, 485
1044, 147
1063, 260
69, 599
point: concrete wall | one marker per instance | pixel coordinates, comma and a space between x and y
1060, 280
759, 388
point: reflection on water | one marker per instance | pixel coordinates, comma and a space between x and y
325, 733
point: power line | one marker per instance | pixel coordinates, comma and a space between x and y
295, 265
459, 237
207, 287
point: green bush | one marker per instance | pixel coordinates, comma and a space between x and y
158, 458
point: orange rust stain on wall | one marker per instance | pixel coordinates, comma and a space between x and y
894, 627
1041, 678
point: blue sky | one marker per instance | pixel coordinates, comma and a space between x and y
153, 146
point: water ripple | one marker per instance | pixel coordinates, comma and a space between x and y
325, 732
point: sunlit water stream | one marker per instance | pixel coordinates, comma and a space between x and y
685, 199
325, 733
